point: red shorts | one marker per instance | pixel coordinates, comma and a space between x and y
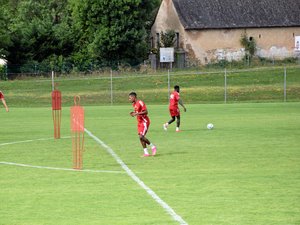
143, 128
174, 112
1, 95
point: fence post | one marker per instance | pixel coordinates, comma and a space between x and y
111, 87
168, 84
6, 72
284, 85
225, 86
52, 78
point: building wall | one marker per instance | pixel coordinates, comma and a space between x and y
217, 44
167, 19
211, 45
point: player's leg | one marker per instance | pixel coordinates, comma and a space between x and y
165, 125
172, 114
4, 103
143, 129
171, 120
178, 123
145, 141
175, 114
144, 145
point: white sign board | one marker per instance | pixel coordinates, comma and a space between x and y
297, 43
3, 62
166, 54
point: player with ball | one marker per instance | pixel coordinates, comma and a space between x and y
174, 109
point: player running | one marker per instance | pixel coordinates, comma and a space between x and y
3, 101
174, 109
140, 111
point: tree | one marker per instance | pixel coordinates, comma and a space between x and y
167, 38
38, 30
77, 31
5, 40
112, 30
249, 44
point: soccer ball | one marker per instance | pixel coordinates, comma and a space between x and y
210, 126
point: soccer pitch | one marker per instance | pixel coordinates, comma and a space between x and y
244, 171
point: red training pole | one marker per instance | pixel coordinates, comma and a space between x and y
77, 130
56, 112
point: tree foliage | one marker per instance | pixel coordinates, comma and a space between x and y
77, 31
113, 30
167, 38
38, 30
5, 39
248, 43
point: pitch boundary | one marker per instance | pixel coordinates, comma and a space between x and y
132, 175
48, 167
30, 140
57, 168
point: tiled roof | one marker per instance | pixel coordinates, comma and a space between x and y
216, 14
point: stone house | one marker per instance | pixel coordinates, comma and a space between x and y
211, 30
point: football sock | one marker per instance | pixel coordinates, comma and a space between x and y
146, 151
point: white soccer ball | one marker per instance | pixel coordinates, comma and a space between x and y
210, 126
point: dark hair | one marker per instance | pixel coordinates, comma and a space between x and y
176, 87
132, 93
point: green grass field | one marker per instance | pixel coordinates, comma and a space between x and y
244, 171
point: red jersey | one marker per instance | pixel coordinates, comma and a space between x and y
1, 95
174, 99
140, 106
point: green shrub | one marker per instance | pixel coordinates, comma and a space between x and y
3, 73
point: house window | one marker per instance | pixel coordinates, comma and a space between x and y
177, 40
157, 40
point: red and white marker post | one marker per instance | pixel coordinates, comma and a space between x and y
77, 130
56, 112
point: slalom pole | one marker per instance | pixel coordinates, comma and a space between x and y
56, 111
77, 130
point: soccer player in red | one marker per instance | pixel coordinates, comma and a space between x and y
3, 101
140, 111
174, 109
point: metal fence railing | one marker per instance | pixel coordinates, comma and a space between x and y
271, 84
43, 69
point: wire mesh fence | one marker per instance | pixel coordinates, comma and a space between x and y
64, 67
276, 84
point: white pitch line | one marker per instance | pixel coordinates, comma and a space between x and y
162, 203
56, 168
26, 141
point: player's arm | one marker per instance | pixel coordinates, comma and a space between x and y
142, 108
144, 112
181, 103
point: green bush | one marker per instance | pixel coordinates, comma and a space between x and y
3, 73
